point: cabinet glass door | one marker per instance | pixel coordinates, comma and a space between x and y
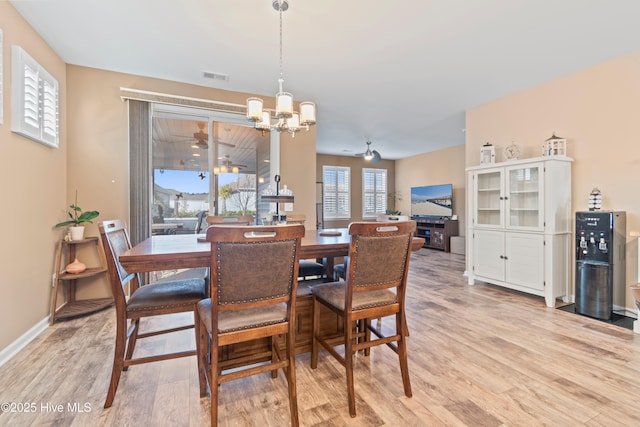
524, 201
489, 199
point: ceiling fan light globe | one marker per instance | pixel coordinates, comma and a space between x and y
368, 155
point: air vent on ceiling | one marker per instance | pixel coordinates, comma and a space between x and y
215, 76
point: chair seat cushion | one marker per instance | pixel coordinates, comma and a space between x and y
169, 294
190, 273
310, 268
237, 320
334, 294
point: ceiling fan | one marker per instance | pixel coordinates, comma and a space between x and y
226, 165
202, 138
370, 155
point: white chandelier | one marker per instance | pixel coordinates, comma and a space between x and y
286, 119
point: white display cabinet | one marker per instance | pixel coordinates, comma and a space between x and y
519, 227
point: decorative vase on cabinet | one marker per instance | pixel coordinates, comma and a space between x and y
520, 225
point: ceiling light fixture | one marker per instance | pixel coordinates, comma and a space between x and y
227, 166
368, 155
287, 120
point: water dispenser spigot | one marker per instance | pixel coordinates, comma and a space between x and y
583, 243
602, 245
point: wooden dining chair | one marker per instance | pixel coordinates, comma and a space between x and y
376, 279
254, 280
163, 297
229, 220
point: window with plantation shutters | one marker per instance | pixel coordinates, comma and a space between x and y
34, 99
337, 192
374, 192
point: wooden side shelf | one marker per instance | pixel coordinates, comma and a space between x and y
74, 307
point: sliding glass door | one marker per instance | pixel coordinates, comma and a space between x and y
203, 163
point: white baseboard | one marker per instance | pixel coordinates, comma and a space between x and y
12, 349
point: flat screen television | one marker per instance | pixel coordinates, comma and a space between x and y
432, 201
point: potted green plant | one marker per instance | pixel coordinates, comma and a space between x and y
77, 220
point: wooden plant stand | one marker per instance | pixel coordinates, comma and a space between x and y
73, 307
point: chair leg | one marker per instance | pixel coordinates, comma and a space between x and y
291, 378
406, 325
402, 353
202, 351
133, 339
214, 374
274, 356
315, 328
118, 360
367, 335
348, 359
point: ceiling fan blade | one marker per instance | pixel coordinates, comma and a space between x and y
359, 154
227, 144
376, 157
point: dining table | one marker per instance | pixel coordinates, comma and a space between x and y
179, 251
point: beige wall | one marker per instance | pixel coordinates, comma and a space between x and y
597, 110
298, 172
444, 166
356, 164
34, 193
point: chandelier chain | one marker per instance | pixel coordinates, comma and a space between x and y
281, 67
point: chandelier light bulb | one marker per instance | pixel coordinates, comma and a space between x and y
254, 109
307, 113
284, 105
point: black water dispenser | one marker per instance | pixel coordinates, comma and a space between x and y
600, 263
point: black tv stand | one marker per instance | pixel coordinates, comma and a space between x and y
436, 232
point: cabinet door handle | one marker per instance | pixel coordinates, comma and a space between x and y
501, 257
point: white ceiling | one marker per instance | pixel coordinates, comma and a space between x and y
400, 73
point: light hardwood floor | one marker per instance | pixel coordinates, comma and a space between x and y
478, 356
